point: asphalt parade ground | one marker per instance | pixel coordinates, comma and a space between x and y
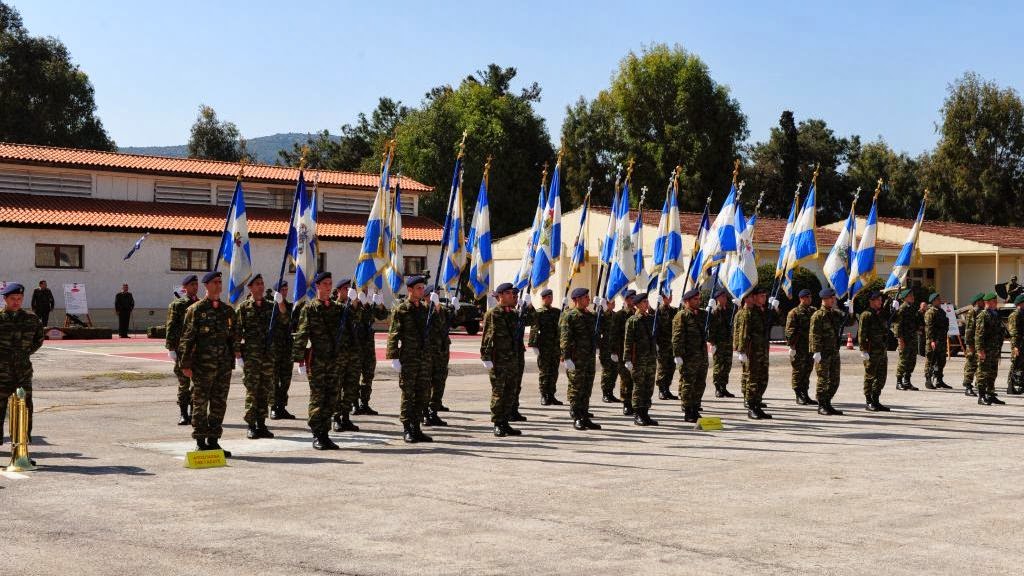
933, 487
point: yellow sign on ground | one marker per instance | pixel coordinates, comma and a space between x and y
709, 423
205, 459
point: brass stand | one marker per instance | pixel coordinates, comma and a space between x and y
18, 412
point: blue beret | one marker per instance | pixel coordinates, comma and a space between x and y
12, 288
638, 298
211, 276
932, 297
874, 294
691, 293
343, 282
503, 287
189, 279
826, 293
281, 285
579, 293
804, 293
321, 276
546, 292
414, 280
629, 294
719, 292
253, 279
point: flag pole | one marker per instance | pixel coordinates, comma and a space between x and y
662, 276
456, 181
579, 234
601, 268
780, 271
600, 309
284, 259
520, 328
693, 253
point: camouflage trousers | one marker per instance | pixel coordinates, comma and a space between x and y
935, 362
547, 365
414, 382
666, 370
581, 384
908, 359
970, 365
368, 369
722, 362
693, 379
258, 378
506, 379
184, 386
609, 371
347, 371
875, 368
828, 376
438, 379
988, 369
755, 377
210, 386
803, 365
282, 380
625, 383
323, 394
1013, 377
643, 384
9, 386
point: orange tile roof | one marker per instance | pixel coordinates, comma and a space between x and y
1001, 236
188, 167
24, 210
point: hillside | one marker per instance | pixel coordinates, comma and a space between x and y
264, 147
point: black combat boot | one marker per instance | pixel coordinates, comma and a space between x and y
555, 401
666, 394
881, 407
336, 422
638, 418
346, 424
755, 413
899, 382
515, 416
833, 410
201, 444
726, 393
689, 415
418, 433
183, 420
499, 430
983, 399
407, 433
509, 430
718, 392
907, 385
545, 400
251, 433
609, 398
357, 409
579, 424
647, 418
365, 406
627, 408
969, 390
324, 442
440, 408
941, 383
432, 419
1011, 389
993, 399
262, 431
928, 382
212, 444
281, 413
869, 404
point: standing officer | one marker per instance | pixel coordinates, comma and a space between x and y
208, 349
908, 323
607, 353
750, 342
289, 322
42, 303
988, 340
440, 330
501, 351
640, 356
872, 337
124, 303
826, 332
21, 334
936, 330
347, 368
1016, 326
370, 313
258, 355
576, 340
173, 329
618, 340
544, 345
798, 328
666, 366
412, 353
970, 352
690, 350
719, 336
318, 329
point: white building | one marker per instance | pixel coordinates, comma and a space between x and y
70, 216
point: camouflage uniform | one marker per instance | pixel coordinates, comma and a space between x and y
502, 344
798, 329
283, 365
751, 338
666, 365
638, 348
1015, 324
576, 341
408, 344
368, 314
936, 329
175, 320
441, 333
606, 347
348, 368
871, 337
908, 322
259, 357
618, 340
21, 334
544, 337
209, 341
720, 336
988, 338
318, 327
970, 352
689, 345
825, 339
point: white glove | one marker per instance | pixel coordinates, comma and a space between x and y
534, 350
488, 364
817, 357
792, 353
378, 299
172, 354
240, 362
895, 304
352, 294
743, 358
736, 302
363, 297
678, 361
278, 298
774, 303
491, 301
615, 357
628, 365
569, 365
527, 299
302, 369
434, 298
396, 364
599, 302
713, 349
456, 304
865, 355
849, 305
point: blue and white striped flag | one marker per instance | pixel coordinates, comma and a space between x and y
549, 245
234, 247
697, 254
742, 264
373, 254
608, 243
781, 269
898, 276
396, 265
623, 264
580, 255
302, 243
522, 279
721, 239
136, 246
481, 259
668, 246
862, 270
455, 252
640, 277
803, 244
837, 265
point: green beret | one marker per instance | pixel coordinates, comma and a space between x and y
903, 293
1019, 299
990, 296
932, 297
977, 297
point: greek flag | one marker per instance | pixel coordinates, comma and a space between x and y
302, 242
396, 267
862, 270
697, 254
136, 246
608, 244
455, 251
668, 246
837, 265
640, 277
781, 270
234, 246
481, 259
623, 263
742, 264
803, 245
898, 276
549, 245
373, 255
721, 239
522, 278
580, 256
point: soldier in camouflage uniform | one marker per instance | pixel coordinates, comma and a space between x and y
210, 343
1015, 323
988, 341
21, 334
440, 330
750, 343
970, 352
825, 338
544, 344
502, 352
871, 337
347, 369
282, 380
607, 354
719, 337
618, 340
798, 328
640, 356
906, 326
315, 348
175, 318
412, 353
690, 353
666, 366
371, 311
576, 341
936, 330
258, 355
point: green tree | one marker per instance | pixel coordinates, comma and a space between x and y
213, 139
44, 98
663, 109
901, 190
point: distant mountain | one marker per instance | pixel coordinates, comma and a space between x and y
265, 148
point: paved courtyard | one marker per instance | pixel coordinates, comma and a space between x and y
933, 487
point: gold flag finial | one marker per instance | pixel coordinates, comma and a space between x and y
303, 156
926, 193
856, 196
735, 170
487, 169
544, 176
462, 144
814, 177
878, 189
629, 169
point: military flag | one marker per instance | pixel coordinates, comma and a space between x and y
898, 276
549, 245
862, 269
373, 254
234, 246
481, 259
837, 265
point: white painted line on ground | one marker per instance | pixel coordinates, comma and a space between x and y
265, 446
121, 356
15, 475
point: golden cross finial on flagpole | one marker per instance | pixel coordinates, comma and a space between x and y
735, 170
462, 144
878, 189
814, 177
303, 156
487, 169
590, 185
629, 169
544, 175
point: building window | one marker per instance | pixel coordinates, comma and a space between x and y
919, 277
414, 264
190, 259
58, 256
321, 263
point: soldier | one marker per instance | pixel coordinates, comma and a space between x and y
970, 352
750, 343
618, 340
666, 366
315, 349
798, 328
988, 341
347, 369
607, 354
576, 340
907, 324
826, 333
1015, 324
258, 356
371, 311
173, 327
42, 303
124, 303
872, 336
502, 353
719, 337
544, 345
208, 349
936, 330
690, 353
412, 353
440, 330
21, 334
289, 321
640, 356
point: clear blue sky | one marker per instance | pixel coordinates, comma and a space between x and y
869, 68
